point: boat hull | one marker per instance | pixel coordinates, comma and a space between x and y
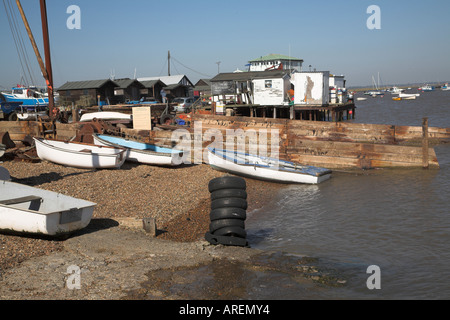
80, 155
54, 214
139, 152
286, 172
105, 115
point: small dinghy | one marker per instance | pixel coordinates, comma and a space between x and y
140, 152
80, 155
26, 209
265, 168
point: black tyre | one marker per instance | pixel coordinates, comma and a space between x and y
229, 202
227, 213
228, 193
13, 116
231, 232
219, 224
226, 182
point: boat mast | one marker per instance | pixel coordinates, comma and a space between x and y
45, 69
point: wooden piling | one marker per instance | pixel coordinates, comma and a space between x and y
425, 143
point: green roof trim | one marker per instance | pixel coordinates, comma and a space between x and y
271, 57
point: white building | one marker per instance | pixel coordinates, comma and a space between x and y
276, 62
337, 82
311, 88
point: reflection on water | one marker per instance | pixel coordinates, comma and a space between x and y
398, 219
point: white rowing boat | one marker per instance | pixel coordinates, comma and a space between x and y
140, 152
80, 155
26, 209
265, 168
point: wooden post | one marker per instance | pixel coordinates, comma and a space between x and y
425, 143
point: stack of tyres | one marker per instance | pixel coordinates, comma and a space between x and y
228, 211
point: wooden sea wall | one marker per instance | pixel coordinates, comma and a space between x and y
327, 144
337, 144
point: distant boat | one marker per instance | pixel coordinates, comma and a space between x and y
409, 95
376, 92
396, 98
395, 90
140, 152
28, 96
80, 155
265, 168
361, 99
445, 87
26, 209
427, 87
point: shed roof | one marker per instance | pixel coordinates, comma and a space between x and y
125, 83
272, 56
88, 84
243, 76
168, 80
151, 83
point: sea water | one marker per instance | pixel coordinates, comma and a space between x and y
395, 219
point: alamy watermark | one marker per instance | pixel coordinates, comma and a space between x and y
74, 20
374, 21
261, 142
73, 281
374, 280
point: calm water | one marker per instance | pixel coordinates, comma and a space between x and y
397, 219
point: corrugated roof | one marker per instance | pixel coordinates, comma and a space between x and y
89, 84
271, 57
243, 76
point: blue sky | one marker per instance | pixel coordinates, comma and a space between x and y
413, 44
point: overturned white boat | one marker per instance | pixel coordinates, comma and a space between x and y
265, 168
26, 209
80, 155
140, 152
105, 115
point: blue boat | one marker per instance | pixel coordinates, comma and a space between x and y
8, 110
141, 152
27, 96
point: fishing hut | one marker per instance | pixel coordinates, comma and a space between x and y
280, 93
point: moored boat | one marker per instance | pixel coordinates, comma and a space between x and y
426, 87
27, 96
409, 95
445, 87
140, 152
265, 168
26, 209
80, 155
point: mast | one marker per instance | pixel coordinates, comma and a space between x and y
48, 62
47, 68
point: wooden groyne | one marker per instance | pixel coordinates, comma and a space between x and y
328, 144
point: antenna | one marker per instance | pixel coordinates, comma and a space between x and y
168, 62
218, 66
